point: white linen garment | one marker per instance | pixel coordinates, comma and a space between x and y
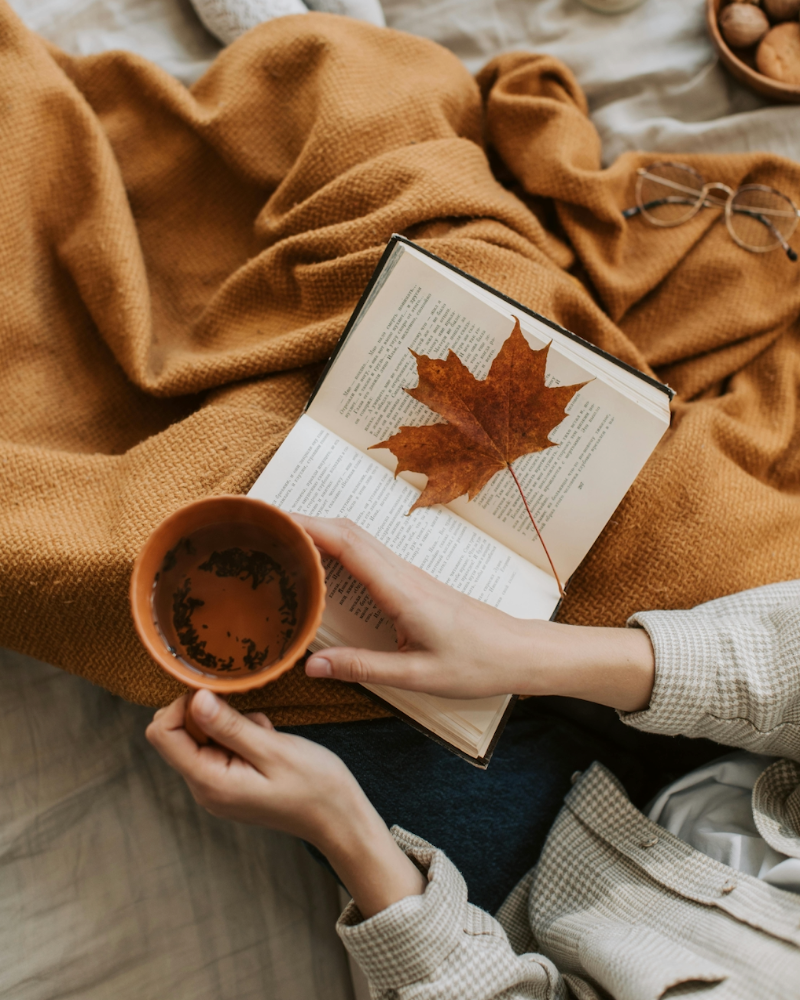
712, 809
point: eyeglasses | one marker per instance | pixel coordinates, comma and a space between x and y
758, 218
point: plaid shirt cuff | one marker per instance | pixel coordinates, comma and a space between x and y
408, 941
687, 654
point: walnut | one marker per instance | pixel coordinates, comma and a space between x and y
778, 53
782, 10
743, 24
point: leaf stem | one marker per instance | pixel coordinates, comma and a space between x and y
536, 529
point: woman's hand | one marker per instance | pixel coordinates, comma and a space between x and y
452, 645
255, 774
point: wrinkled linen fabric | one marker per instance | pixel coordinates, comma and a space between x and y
116, 885
167, 32
618, 906
712, 809
651, 76
178, 263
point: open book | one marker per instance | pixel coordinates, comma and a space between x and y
487, 547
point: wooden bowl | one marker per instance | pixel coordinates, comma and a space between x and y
741, 62
227, 593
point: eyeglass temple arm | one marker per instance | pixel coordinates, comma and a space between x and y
629, 213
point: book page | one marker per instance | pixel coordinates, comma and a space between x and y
315, 472
573, 489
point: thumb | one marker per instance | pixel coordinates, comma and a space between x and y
366, 666
227, 727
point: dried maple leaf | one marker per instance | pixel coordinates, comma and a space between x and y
489, 424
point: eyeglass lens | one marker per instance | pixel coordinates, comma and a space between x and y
761, 218
669, 193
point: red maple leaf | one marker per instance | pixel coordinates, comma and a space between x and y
489, 424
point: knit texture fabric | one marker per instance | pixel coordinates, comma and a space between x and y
177, 263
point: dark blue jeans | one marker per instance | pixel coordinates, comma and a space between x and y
492, 824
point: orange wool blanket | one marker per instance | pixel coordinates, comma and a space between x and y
176, 263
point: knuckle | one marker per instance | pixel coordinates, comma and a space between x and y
359, 670
229, 723
351, 534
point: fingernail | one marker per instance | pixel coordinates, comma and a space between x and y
205, 706
318, 666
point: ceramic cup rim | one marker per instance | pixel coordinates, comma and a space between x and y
164, 536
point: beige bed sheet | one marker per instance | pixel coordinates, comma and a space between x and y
115, 885
651, 75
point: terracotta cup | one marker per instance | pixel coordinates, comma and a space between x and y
226, 594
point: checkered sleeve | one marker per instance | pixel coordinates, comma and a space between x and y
437, 946
729, 671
